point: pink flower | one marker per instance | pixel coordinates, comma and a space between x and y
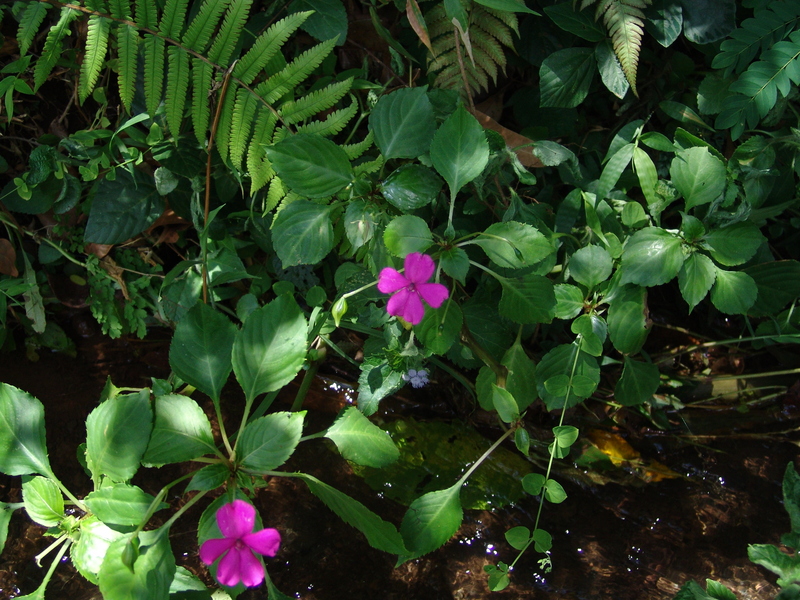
411, 288
237, 547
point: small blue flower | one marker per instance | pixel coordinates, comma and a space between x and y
416, 377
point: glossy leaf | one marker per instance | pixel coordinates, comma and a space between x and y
91, 547
43, 501
638, 383
120, 504
117, 434
557, 365
505, 405
411, 187
270, 348
554, 492
590, 265
521, 377
328, 21
200, 351
645, 170
528, 300
707, 21
181, 432
613, 170
122, 208
665, 22
430, 521
627, 320
268, 442
208, 478
569, 301
735, 244
652, 256
695, 278
361, 441
611, 72
402, 123
577, 22
734, 292
311, 165
565, 77
507, 6
778, 284
518, 537
407, 234
151, 573
514, 245
22, 445
440, 327
459, 150
302, 233
699, 176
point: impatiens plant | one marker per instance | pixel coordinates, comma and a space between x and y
410, 288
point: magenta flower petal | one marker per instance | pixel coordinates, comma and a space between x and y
390, 280
229, 568
211, 550
236, 519
266, 541
433, 293
406, 305
418, 267
250, 569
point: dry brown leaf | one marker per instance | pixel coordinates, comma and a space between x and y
8, 256
513, 140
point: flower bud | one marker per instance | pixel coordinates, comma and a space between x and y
339, 309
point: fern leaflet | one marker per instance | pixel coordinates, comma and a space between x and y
202, 26
52, 47
172, 18
228, 35
127, 47
177, 86
315, 102
296, 71
153, 71
333, 123
202, 75
29, 24
267, 45
243, 112
96, 45
146, 14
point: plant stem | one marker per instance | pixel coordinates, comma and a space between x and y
484, 456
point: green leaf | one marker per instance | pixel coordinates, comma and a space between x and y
43, 501
181, 432
380, 534
791, 496
590, 266
543, 541
311, 165
505, 405
402, 123
665, 22
695, 278
200, 351
611, 72
778, 284
411, 187
645, 170
270, 348
302, 233
120, 504
361, 441
5, 516
652, 256
507, 6
407, 234
91, 547
735, 244
328, 21
518, 537
569, 301
698, 175
151, 573
683, 114
786, 566
521, 377
734, 292
707, 21
589, 341
565, 77
638, 383
613, 170
576, 22
209, 478
514, 245
376, 381
440, 327
558, 363
22, 445
268, 442
528, 300
533, 483
554, 492
565, 435
459, 150
430, 521
718, 591
117, 433
123, 208
628, 325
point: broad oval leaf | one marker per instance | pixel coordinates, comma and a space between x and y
734, 292
518, 537
430, 521
569, 301
505, 404
565, 77
652, 256
117, 434
440, 327
735, 244
590, 265
566, 360
200, 351
268, 442
123, 207
528, 300
43, 501
302, 233
778, 284
411, 187
402, 123
698, 175
407, 234
514, 245
88, 552
120, 504
459, 150
151, 573
627, 319
638, 383
22, 445
521, 378
361, 441
270, 348
181, 432
695, 278
311, 165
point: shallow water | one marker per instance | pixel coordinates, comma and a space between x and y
623, 540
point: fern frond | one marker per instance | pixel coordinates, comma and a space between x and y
228, 35
198, 34
509, 19
172, 19
314, 103
333, 123
223, 137
243, 113
489, 46
202, 75
767, 26
177, 86
756, 90
120, 9
493, 26
371, 166
296, 71
274, 195
267, 45
257, 163
353, 151
127, 48
29, 24
146, 14
624, 21
93, 59
53, 45
153, 72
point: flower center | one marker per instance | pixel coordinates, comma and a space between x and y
411, 287
240, 545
